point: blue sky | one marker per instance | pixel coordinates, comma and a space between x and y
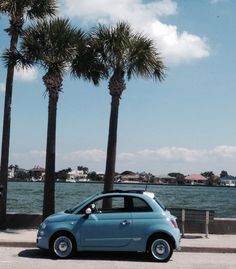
184, 124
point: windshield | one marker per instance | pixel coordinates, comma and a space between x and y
74, 209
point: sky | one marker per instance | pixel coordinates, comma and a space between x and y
184, 124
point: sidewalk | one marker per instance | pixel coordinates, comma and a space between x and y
191, 242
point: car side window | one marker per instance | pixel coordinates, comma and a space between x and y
111, 204
139, 205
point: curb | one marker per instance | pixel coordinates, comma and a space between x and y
183, 249
208, 250
18, 244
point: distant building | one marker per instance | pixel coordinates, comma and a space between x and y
37, 173
100, 174
228, 181
196, 179
11, 171
128, 176
164, 179
76, 175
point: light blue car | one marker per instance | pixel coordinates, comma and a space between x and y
113, 221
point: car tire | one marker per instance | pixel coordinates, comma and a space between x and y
63, 246
160, 249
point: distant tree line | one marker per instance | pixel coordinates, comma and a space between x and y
62, 175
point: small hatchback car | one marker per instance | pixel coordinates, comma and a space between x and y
112, 221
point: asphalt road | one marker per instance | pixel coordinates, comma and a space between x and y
22, 258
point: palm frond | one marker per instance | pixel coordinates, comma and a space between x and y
121, 49
87, 64
8, 6
144, 59
31, 8
51, 44
18, 10
41, 9
112, 42
16, 59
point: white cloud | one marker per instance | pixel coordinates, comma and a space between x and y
180, 154
178, 47
161, 160
95, 10
2, 87
30, 158
173, 153
29, 74
164, 153
225, 151
94, 155
175, 46
30, 154
39, 153
126, 156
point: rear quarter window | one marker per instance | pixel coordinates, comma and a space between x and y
139, 205
159, 203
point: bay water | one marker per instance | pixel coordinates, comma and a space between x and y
27, 197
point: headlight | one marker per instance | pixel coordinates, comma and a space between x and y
42, 226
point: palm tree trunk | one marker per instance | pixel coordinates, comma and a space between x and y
49, 184
111, 147
6, 135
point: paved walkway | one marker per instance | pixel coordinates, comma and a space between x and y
191, 242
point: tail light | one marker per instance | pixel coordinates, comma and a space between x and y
174, 223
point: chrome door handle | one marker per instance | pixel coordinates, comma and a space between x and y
125, 222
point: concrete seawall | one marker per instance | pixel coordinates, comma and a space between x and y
23, 221
217, 226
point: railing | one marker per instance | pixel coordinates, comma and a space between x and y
190, 216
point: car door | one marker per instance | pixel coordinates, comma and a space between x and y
107, 228
143, 217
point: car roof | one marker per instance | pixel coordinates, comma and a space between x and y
135, 191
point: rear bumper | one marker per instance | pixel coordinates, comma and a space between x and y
177, 239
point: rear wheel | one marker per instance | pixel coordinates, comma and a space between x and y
160, 249
63, 246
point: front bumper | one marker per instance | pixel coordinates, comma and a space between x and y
42, 240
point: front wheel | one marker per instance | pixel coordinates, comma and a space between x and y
161, 250
63, 246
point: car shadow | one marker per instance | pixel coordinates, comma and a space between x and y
192, 236
34, 253
108, 256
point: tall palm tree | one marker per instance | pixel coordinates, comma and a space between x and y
17, 11
52, 45
125, 54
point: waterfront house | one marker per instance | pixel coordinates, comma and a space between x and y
37, 173
100, 174
11, 171
129, 176
164, 179
77, 175
196, 179
228, 181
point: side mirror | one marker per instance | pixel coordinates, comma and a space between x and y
88, 211
93, 207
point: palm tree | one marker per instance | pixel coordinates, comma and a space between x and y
125, 54
17, 11
52, 45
